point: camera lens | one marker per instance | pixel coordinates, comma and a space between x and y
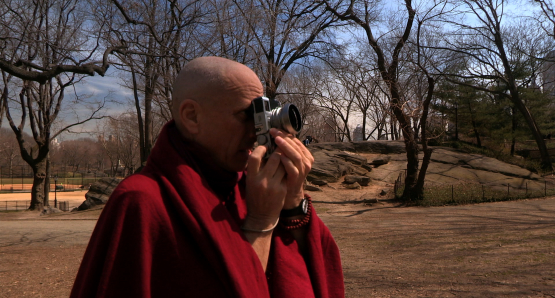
287, 118
295, 118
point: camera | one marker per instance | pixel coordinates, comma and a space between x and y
286, 118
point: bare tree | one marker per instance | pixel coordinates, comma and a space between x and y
364, 14
120, 142
155, 35
43, 41
335, 102
492, 50
547, 18
24, 21
284, 33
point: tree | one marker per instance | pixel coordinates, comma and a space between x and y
120, 142
282, 34
492, 50
363, 14
155, 39
335, 101
45, 45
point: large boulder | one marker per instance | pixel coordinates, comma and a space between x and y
330, 165
99, 193
362, 180
381, 147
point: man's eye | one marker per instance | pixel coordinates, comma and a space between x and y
247, 114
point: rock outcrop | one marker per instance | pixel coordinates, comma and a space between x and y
99, 193
385, 160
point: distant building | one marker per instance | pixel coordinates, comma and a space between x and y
358, 135
548, 74
54, 144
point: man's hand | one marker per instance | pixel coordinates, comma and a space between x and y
266, 189
297, 162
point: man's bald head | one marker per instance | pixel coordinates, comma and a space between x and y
206, 79
211, 101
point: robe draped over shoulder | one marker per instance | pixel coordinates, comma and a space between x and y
173, 230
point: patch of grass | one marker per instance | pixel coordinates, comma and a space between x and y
529, 164
321, 210
473, 193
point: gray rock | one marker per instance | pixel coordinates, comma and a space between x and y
361, 180
356, 170
330, 164
382, 147
352, 158
367, 167
368, 198
327, 168
312, 187
381, 161
353, 186
99, 193
319, 182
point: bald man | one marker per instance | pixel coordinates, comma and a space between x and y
193, 223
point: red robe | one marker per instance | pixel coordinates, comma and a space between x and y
173, 230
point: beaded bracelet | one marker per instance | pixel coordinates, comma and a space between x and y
292, 224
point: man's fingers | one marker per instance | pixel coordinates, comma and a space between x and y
272, 164
288, 148
255, 160
289, 166
279, 175
304, 150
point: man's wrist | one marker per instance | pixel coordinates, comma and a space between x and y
300, 209
253, 223
293, 201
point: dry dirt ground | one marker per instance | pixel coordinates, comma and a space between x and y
504, 249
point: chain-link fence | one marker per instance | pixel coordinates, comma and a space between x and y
468, 193
20, 179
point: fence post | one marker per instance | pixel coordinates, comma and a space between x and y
508, 190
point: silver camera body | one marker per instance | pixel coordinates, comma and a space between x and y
286, 118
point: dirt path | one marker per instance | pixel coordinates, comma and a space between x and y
488, 250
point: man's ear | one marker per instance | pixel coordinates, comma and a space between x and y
188, 115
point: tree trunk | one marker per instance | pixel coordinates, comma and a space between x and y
515, 98
419, 189
513, 131
410, 143
474, 128
545, 157
47, 180
38, 199
150, 82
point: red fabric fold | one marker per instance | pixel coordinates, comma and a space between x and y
166, 233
